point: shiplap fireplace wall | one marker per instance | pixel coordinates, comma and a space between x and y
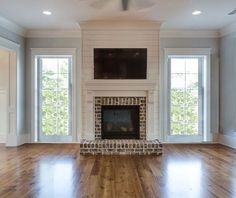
116, 34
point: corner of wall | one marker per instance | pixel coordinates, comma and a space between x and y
228, 140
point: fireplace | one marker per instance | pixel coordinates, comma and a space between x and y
120, 122
114, 78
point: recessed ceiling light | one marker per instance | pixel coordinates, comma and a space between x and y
46, 12
196, 12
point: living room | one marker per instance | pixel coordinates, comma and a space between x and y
123, 98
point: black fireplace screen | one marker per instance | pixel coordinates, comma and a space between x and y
120, 122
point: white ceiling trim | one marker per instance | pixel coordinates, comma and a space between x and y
120, 25
229, 29
163, 34
189, 34
53, 34
12, 27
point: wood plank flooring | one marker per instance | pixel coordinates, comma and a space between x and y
58, 170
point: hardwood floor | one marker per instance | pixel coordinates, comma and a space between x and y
45, 170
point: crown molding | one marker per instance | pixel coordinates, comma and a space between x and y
53, 34
163, 33
189, 33
120, 25
12, 27
229, 29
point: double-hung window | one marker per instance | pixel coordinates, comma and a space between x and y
53, 98
187, 84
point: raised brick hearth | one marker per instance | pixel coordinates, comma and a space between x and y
121, 147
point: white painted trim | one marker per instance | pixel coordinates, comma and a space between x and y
8, 45
163, 33
228, 140
184, 139
14, 48
189, 33
121, 85
120, 25
12, 27
164, 89
53, 51
187, 51
23, 138
5, 94
2, 139
53, 34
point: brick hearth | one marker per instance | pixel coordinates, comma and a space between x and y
120, 147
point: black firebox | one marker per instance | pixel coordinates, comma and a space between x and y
120, 122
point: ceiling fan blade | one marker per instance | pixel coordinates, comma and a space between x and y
125, 4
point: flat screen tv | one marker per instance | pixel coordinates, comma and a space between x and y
120, 63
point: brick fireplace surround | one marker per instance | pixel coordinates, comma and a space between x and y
144, 93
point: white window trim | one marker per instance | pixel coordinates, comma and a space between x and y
53, 51
207, 136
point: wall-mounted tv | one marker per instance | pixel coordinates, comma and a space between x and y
120, 63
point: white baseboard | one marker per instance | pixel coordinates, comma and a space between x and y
17, 140
11, 140
215, 137
23, 139
2, 138
227, 140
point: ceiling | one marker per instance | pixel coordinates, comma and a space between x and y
66, 14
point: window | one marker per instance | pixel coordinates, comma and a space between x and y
187, 104
185, 95
54, 95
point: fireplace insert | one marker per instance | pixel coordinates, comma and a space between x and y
120, 122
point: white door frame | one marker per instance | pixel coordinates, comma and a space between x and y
14, 49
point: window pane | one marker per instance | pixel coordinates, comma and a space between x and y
49, 81
63, 65
192, 65
178, 97
191, 81
178, 81
184, 96
177, 128
178, 114
55, 96
49, 65
177, 65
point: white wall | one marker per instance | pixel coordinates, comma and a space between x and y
228, 90
4, 90
212, 43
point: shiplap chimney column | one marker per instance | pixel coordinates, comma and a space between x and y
120, 34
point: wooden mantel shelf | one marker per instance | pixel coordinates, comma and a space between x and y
120, 85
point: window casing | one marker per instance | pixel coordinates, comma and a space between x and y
58, 53
202, 92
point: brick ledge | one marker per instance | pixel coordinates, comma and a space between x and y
120, 147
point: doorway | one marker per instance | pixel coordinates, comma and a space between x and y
4, 93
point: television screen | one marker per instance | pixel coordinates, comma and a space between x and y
120, 63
